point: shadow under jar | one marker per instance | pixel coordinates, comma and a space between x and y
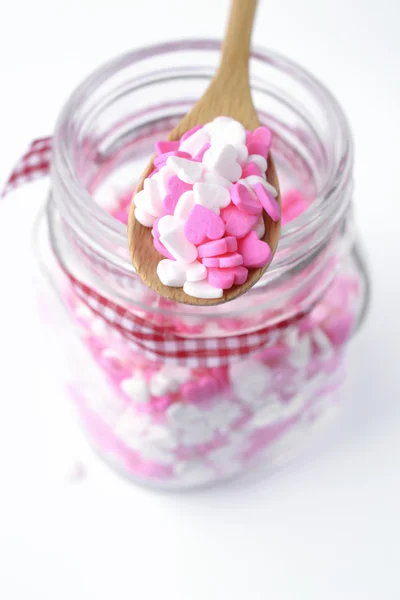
175, 395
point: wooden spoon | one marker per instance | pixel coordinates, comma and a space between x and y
228, 95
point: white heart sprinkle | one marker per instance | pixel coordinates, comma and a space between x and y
212, 177
252, 180
154, 204
202, 289
184, 205
196, 271
223, 160
174, 273
259, 227
188, 171
195, 142
143, 217
212, 196
162, 177
171, 272
166, 223
136, 389
177, 244
259, 161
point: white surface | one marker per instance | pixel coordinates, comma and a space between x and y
327, 529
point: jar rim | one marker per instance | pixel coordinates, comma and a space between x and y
81, 207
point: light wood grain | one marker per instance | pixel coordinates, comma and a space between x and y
229, 95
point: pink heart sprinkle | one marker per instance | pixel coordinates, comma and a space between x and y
218, 247
199, 155
257, 147
243, 199
268, 202
226, 278
250, 169
202, 223
161, 248
264, 135
226, 261
164, 146
255, 252
190, 132
175, 188
155, 228
162, 158
204, 388
237, 223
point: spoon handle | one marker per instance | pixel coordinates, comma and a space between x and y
237, 41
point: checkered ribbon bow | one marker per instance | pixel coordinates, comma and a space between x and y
156, 343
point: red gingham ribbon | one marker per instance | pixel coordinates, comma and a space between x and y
156, 343
160, 344
33, 165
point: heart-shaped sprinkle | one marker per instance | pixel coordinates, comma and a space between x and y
211, 196
212, 177
226, 261
244, 199
190, 132
175, 273
162, 177
187, 170
154, 203
195, 142
250, 169
218, 247
154, 232
172, 236
166, 224
161, 249
259, 227
237, 223
171, 272
149, 199
202, 289
162, 158
163, 147
175, 189
226, 278
202, 389
256, 146
184, 206
269, 203
242, 153
261, 163
144, 217
264, 135
224, 129
255, 252
254, 179
200, 154
224, 161
203, 224
196, 271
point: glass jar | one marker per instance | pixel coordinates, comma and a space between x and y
175, 395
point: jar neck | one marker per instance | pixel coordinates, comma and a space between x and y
112, 120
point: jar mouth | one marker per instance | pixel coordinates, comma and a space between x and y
93, 223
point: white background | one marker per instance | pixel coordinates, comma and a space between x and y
328, 528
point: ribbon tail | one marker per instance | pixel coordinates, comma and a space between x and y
35, 164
